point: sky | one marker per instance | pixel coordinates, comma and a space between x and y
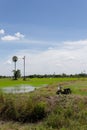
51, 34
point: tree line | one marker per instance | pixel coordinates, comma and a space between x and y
18, 74
56, 75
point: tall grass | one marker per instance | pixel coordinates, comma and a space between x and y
71, 114
22, 109
55, 112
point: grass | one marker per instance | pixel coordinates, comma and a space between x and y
43, 109
61, 112
79, 87
34, 81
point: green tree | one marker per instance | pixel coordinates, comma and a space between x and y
17, 74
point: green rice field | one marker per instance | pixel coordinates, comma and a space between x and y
77, 85
33, 81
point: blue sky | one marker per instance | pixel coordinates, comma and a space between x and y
52, 34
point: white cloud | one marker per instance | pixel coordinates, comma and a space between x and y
2, 31
16, 36
75, 44
19, 35
9, 38
69, 58
58, 60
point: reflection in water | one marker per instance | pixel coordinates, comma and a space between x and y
18, 89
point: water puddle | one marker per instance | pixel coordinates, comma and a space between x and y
18, 89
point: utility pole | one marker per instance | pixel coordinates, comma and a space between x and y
24, 68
